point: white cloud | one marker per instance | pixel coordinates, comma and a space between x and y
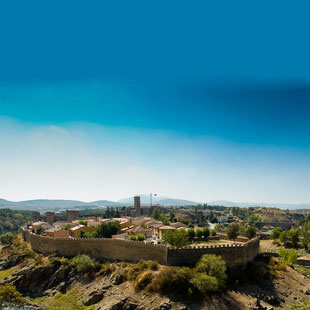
90, 162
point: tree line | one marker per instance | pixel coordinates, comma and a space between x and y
294, 237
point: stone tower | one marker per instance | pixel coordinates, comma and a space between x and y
36, 216
50, 217
72, 215
137, 205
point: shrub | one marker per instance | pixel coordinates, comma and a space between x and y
7, 238
233, 231
178, 237
213, 266
9, 295
172, 279
288, 257
305, 233
293, 237
213, 232
22, 248
199, 233
191, 234
143, 280
275, 234
140, 237
283, 236
132, 237
241, 229
153, 265
206, 232
83, 263
302, 305
64, 261
107, 269
205, 283
261, 269
135, 270
81, 222
250, 232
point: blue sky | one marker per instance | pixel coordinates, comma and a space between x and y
202, 101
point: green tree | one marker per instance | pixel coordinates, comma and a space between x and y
82, 234
199, 233
164, 219
242, 229
106, 230
214, 220
305, 235
253, 219
205, 283
275, 234
284, 236
133, 238
191, 234
213, 232
288, 257
67, 226
178, 237
140, 237
211, 273
205, 232
156, 214
250, 232
117, 214
81, 222
293, 237
211, 216
233, 231
7, 238
9, 296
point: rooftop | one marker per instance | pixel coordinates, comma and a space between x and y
165, 227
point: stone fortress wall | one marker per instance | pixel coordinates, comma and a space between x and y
132, 251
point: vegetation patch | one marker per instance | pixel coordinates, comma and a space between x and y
12, 220
208, 276
68, 301
6, 273
302, 305
84, 264
302, 269
9, 296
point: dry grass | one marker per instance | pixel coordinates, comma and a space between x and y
6, 273
68, 301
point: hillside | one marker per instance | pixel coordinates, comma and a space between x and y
12, 220
50, 204
57, 204
60, 204
284, 206
55, 283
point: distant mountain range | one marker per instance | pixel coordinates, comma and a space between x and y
256, 204
49, 204
164, 201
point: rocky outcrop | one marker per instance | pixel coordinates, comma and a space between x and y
11, 261
38, 281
